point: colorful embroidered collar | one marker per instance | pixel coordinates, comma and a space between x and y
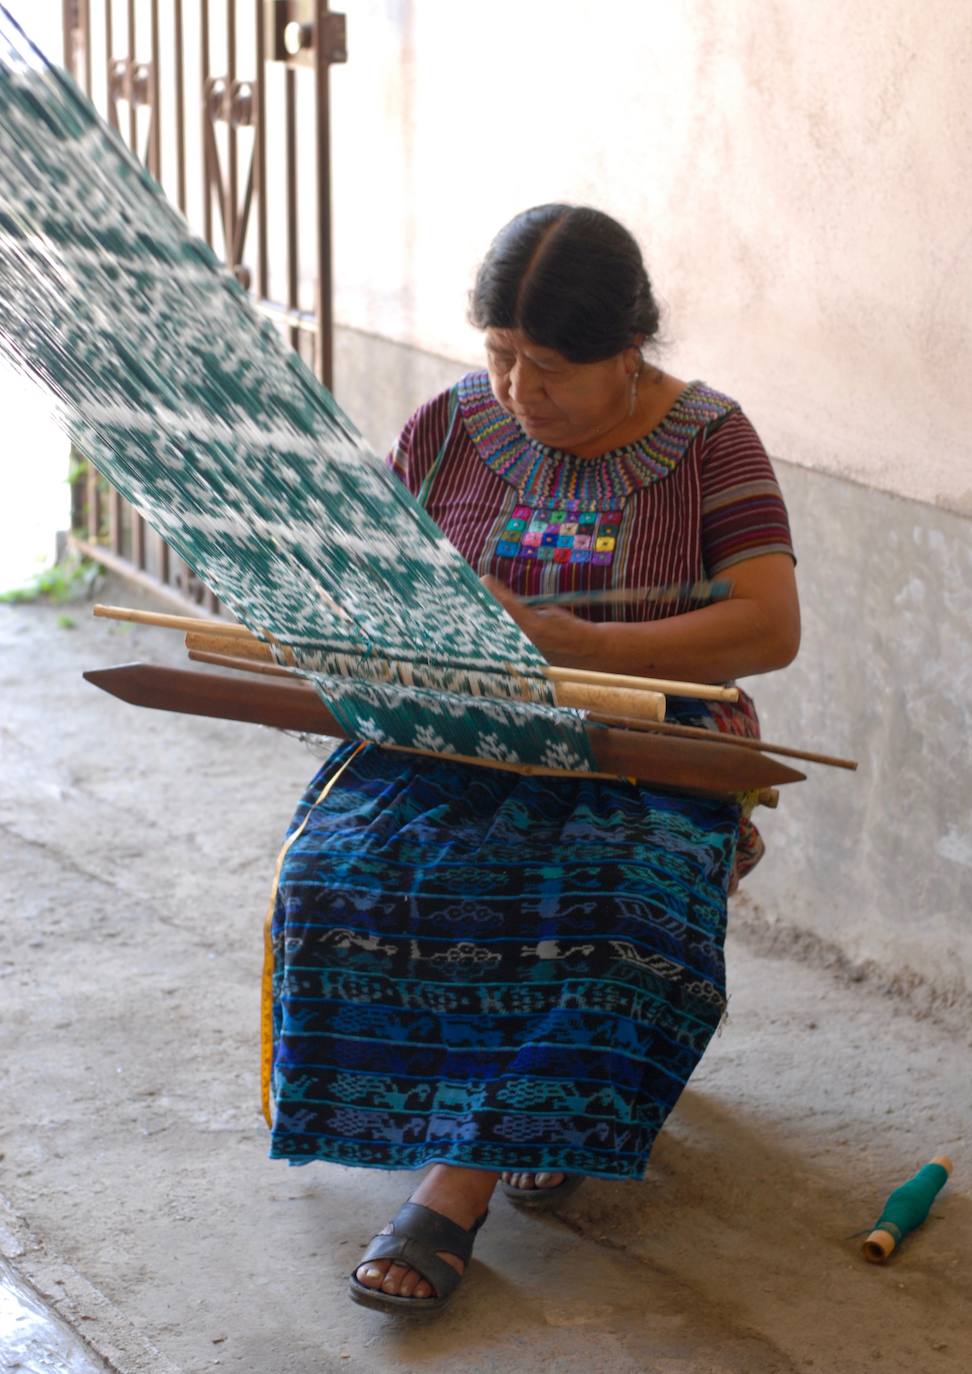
543, 475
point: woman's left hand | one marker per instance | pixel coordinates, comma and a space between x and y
562, 638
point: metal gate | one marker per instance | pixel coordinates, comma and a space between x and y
227, 104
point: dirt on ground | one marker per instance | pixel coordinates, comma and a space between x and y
136, 853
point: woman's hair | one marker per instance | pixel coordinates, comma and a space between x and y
571, 278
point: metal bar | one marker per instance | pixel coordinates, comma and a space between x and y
260, 155
93, 503
132, 107
216, 176
69, 16
323, 361
290, 154
138, 540
165, 559
206, 121
155, 115
112, 108
88, 78
115, 521
232, 139
180, 99
243, 218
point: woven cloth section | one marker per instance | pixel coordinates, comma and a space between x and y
191, 404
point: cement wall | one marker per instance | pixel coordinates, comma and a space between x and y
879, 863
797, 174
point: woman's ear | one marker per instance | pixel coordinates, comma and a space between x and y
633, 360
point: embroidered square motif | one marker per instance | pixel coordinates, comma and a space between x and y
561, 533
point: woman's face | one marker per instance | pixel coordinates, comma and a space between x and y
559, 403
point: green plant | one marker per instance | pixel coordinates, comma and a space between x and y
72, 579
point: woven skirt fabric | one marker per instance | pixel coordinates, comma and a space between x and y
479, 968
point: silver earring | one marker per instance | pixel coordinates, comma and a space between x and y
633, 392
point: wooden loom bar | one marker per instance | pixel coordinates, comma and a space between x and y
226, 629
661, 727
716, 769
256, 657
769, 796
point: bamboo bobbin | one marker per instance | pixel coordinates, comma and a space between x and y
611, 701
239, 646
880, 1243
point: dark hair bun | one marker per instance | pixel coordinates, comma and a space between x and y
571, 278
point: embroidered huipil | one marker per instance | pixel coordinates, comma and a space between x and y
690, 499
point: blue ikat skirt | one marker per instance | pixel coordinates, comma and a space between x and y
477, 968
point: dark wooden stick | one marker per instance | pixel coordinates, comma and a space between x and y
712, 736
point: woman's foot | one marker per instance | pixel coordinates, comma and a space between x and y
463, 1196
527, 1182
541, 1190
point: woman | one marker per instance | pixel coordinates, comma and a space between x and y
498, 975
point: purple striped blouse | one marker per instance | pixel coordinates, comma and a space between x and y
684, 503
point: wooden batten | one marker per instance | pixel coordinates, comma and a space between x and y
711, 769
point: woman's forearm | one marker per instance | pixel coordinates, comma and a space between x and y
714, 644
755, 631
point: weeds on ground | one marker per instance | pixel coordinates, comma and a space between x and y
72, 579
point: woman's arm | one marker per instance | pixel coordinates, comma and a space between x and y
755, 631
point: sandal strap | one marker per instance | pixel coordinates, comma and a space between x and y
417, 1233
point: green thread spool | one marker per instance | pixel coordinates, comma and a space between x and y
906, 1209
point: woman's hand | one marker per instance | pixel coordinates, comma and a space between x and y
562, 638
755, 631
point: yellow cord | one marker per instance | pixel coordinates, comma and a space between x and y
266, 988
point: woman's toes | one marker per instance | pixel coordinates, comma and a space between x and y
370, 1275
392, 1281
410, 1284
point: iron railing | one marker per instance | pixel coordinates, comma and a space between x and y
227, 103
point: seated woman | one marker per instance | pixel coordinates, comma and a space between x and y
499, 975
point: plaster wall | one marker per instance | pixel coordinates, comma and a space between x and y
797, 175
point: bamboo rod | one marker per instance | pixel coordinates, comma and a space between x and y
701, 691
718, 737
241, 665
186, 623
698, 690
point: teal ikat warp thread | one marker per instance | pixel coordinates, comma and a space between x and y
906, 1208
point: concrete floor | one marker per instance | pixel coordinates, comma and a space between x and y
136, 851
